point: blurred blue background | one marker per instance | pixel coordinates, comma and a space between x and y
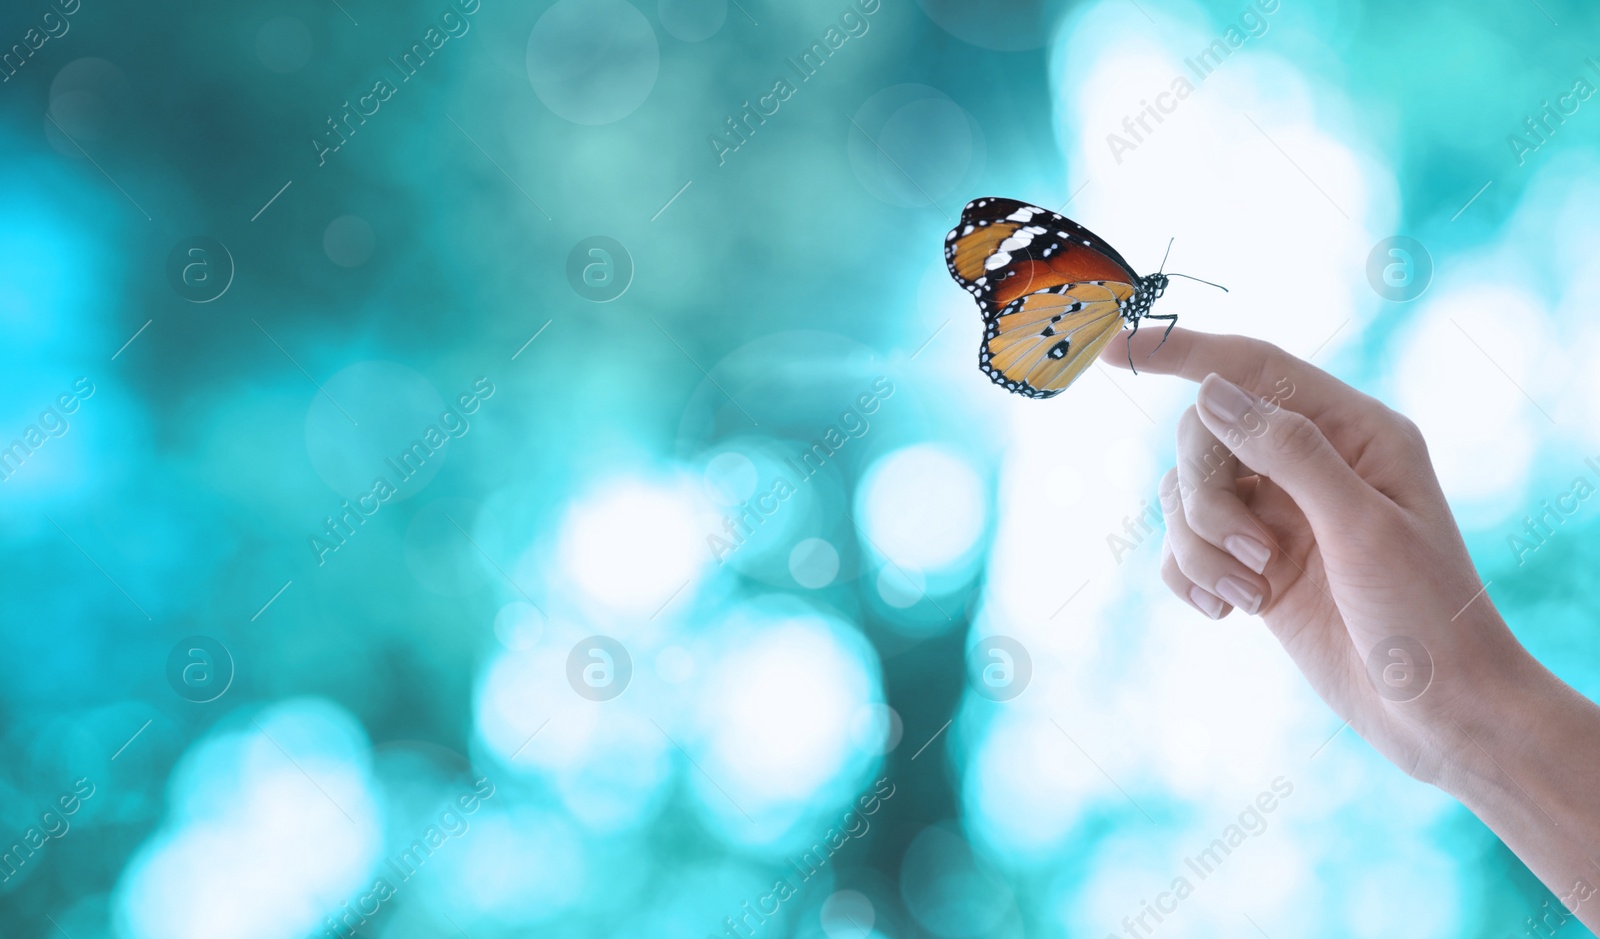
521, 469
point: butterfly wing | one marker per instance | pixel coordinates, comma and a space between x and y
1041, 342
1004, 249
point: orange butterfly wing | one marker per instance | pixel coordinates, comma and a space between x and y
1041, 342
1004, 249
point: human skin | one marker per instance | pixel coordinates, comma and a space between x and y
1316, 507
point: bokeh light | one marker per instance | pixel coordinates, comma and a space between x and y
399, 538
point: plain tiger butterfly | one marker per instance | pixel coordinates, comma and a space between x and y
1052, 293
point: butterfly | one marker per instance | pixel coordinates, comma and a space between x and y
1052, 293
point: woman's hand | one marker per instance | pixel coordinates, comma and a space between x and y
1301, 499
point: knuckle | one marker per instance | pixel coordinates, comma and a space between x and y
1261, 355
1209, 515
1408, 433
1209, 464
1295, 436
1390, 524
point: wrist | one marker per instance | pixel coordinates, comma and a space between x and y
1520, 756
1480, 684
1505, 736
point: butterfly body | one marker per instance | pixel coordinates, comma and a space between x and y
1052, 293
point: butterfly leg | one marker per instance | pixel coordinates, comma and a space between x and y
1131, 334
1172, 319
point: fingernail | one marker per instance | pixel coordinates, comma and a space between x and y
1225, 400
1240, 594
1208, 604
1248, 551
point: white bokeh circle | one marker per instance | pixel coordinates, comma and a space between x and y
633, 545
90, 100
814, 563
349, 241
923, 507
910, 145
592, 62
730, 477
847, 914
367, 422
518, 625
901, 587
876, 728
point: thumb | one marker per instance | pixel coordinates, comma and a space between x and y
1287, 447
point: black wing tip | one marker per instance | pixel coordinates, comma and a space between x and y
1009, 205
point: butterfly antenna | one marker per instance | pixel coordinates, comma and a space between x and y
1206, 282
1167, 255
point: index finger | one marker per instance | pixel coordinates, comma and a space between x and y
1260, 368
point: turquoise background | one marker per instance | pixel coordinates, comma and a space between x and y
742, 436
